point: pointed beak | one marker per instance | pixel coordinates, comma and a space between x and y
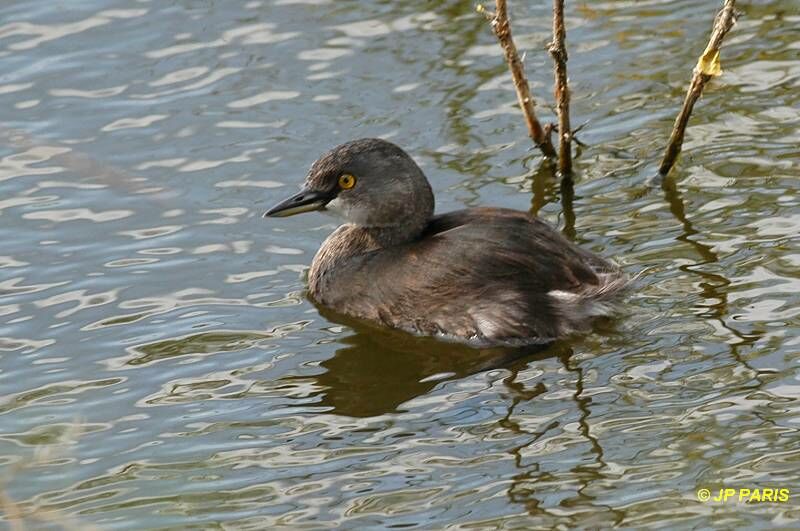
304, 201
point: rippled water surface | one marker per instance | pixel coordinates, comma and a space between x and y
161, 368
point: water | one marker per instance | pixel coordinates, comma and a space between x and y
160, 367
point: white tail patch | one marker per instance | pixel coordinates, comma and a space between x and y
577, 308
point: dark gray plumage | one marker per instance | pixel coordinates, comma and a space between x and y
487, 276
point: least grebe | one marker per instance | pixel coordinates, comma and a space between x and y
486, 276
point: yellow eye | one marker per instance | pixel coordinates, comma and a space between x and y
347, 181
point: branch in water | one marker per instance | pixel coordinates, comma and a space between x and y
559, 52
707, 67
502, 29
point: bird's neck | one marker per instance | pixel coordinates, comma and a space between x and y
367, 238
343, 247
389, 236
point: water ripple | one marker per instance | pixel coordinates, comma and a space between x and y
161, 367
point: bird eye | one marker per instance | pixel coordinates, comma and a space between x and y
347, 181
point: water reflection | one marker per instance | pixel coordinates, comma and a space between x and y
523, 489
142, 292
714, 286
547, 189
379, 369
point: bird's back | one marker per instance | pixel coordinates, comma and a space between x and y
483, 275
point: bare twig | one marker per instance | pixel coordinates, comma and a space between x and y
707, 67
502, 29
559, 52
578, 130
